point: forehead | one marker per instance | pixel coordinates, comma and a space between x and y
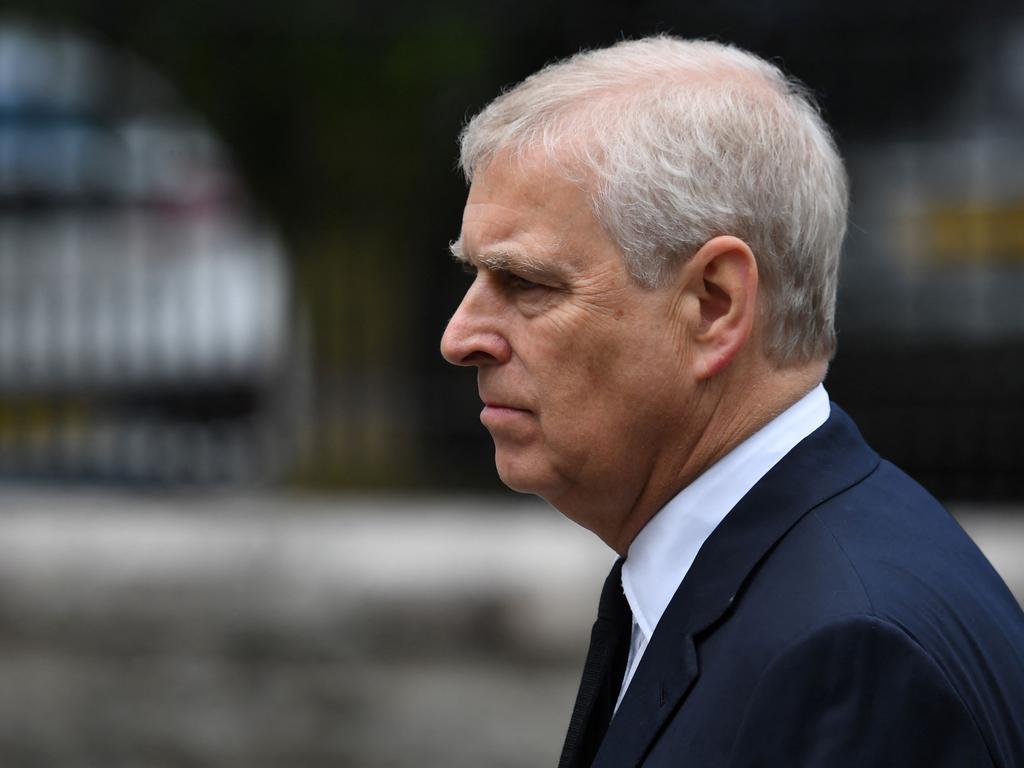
529, 206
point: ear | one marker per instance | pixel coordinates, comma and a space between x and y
722, 275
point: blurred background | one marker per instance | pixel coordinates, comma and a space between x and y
249, 516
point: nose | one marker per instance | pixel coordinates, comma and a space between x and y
473, 336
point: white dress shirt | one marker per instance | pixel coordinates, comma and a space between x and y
666, 547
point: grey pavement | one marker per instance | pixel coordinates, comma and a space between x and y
279, 630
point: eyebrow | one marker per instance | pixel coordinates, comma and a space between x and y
508, 260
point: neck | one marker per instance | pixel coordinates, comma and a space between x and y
724, 414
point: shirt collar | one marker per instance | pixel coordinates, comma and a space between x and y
663, 551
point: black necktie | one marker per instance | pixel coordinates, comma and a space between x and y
602, 675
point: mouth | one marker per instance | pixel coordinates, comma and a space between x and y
503, 406
497, 415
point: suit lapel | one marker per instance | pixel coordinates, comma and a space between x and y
827, 462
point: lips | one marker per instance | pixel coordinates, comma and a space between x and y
500, 417
493, 400
506, 406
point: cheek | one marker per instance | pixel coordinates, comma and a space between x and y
588, 395
576, 372
585, 346
615, 365
630, 388
586, 366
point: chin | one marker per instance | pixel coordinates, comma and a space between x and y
522, 475
517, 481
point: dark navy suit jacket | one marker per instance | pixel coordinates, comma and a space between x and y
837, 617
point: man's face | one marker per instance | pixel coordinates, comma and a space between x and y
581, 371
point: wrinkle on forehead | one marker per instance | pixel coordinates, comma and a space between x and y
537, 172
524, 215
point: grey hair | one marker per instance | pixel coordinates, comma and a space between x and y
680, 141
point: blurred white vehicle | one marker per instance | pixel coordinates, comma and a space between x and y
146, 321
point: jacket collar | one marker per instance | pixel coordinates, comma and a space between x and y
827, 462
666, 547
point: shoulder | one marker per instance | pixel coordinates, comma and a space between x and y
885, 547
851, 691
905, 550
887, 538
879, 592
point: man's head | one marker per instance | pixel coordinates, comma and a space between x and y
655, 229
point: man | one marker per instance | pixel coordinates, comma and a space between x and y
654, 230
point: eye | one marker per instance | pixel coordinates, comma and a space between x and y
520, 283
468, 269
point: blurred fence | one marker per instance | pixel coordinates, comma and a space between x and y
156, 327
